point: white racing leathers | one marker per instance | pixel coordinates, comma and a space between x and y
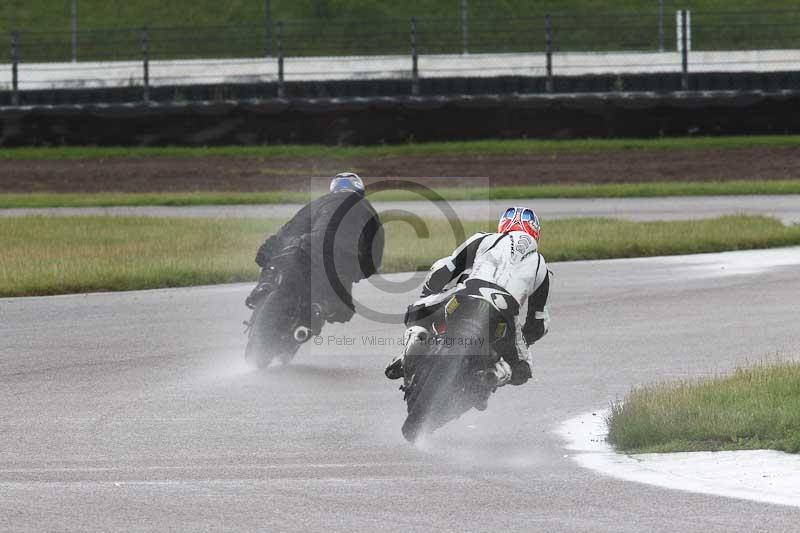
510, 260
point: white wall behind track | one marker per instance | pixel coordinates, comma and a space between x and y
219, 71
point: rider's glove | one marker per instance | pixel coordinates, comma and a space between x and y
520, 372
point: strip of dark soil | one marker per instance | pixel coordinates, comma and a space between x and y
253, 174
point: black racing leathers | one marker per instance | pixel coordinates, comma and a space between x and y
341, 237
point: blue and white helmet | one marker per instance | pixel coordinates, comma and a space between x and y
347, 181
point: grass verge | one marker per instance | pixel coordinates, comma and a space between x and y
488, 147
754, 408
620, 190
57, 255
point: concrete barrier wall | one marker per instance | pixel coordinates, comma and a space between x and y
37, 76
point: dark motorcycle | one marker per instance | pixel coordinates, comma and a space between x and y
284, 315
447, 377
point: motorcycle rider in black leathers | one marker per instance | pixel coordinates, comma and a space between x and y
340, 239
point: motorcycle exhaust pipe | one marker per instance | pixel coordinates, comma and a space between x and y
302, 334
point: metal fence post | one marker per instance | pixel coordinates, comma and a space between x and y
268, 28
548, 41
14, 68
414, 59
146, 64
74, 27
464, 28
684, 53
279, 46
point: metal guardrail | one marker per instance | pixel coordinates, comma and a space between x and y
549, 46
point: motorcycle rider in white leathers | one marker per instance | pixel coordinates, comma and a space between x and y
508, 259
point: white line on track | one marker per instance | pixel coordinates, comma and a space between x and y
155, 468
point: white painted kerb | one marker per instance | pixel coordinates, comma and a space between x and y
760, 475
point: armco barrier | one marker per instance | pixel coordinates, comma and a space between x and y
379, 120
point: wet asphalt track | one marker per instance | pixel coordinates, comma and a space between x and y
134, 411
784, 207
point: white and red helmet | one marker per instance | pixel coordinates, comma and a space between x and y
520, 219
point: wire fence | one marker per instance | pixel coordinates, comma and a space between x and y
547, 46
478, 29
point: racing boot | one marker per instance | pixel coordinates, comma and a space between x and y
490, 380
256, 295
268, 280
414, 338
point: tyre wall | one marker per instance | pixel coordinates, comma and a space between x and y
365, 121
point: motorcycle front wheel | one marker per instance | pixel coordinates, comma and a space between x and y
270, 334
435, 395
